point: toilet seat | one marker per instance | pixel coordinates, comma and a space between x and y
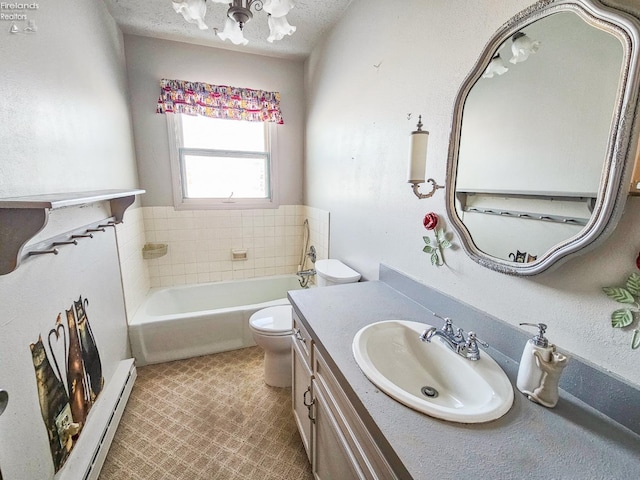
275, 321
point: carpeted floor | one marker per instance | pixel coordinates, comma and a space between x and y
207, 418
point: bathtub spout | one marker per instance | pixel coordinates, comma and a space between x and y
304, 276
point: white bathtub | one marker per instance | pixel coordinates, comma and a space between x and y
192, 320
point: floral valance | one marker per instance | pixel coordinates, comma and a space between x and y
218, 101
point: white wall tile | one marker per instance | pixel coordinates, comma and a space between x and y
200, 243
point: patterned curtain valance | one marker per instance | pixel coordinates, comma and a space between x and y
218, 101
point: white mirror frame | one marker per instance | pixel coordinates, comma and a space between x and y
623, 139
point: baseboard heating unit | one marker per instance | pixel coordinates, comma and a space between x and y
88, 456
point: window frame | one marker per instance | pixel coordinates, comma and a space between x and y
177, 152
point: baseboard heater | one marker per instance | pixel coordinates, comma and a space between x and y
88, 455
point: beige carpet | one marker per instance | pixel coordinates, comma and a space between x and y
207, 418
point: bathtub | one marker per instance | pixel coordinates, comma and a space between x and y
187, 321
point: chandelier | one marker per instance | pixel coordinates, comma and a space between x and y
238, 14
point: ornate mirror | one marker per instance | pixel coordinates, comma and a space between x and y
544, 135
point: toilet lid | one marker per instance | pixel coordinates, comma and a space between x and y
273, 320
336, 271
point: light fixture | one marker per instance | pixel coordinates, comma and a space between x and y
238, 14
495, 67
418, 162
521, 47
193, 11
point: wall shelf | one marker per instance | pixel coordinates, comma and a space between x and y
21, 218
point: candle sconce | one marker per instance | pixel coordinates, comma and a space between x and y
418, 162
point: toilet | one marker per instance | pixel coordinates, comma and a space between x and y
272, 327
334, 272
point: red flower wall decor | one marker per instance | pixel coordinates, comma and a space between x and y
430, 222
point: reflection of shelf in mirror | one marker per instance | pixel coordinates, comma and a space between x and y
579, 196
529, 216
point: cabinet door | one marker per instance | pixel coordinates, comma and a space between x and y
301, 396
332, 458
360, 442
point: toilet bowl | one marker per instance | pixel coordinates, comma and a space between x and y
272, 329
334, 272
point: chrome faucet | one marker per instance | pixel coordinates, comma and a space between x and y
465, 347
304, 277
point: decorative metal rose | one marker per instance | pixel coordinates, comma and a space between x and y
628, 295
430, 222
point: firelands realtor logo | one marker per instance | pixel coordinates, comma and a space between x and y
20, 16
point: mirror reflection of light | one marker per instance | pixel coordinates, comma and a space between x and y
521, 47
495, 67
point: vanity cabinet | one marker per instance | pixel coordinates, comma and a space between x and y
336, 440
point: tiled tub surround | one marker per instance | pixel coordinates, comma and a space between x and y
200, 242
133, 269
570, 441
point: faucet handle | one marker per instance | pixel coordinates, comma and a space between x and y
473, 352
459, 336
473, 337
448, 326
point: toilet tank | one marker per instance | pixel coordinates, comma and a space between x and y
334, 272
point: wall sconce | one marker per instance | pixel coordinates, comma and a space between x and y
418, 162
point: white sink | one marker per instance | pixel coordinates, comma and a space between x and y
393, 357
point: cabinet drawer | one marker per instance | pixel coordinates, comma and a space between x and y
302, 339
364, 448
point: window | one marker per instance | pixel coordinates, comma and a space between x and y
220, 163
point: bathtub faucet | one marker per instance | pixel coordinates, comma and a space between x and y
305, 275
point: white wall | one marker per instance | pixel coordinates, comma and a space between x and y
64, 114
378, 65
149, 60
64, 126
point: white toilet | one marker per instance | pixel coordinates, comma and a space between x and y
334, 272
272, 327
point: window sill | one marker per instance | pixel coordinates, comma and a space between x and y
237, 204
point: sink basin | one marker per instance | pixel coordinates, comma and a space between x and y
430, 377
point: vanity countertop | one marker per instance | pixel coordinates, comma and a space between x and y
571, 441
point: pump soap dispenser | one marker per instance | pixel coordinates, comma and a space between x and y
540, 369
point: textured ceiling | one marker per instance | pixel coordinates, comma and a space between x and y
156, 18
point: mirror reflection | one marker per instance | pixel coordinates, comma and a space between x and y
535, 135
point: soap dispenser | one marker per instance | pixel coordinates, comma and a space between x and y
529, 373
540, 369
